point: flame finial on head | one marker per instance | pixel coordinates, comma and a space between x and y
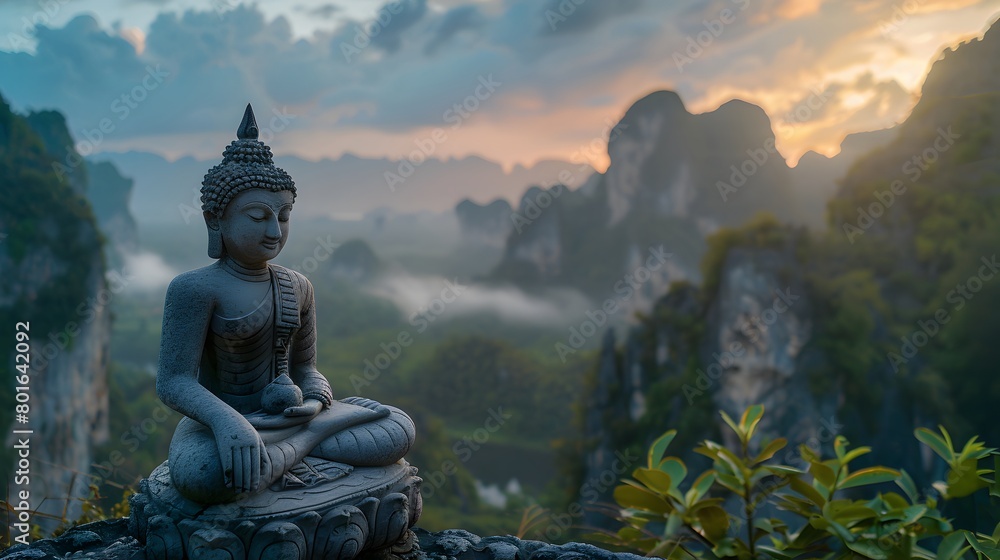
248, 126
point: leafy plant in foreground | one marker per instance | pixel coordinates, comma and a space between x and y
787, 512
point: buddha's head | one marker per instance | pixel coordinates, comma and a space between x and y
246, 200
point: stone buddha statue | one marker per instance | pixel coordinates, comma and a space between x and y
261, 426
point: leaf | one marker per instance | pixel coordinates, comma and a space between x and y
808, 492
895, 501
654, 479
725, 458
867, 548
807, 454
936, 443
951, 547
833, 527
995, 487
783, 470
913, 514
751, 417
731, 483
986, 548
846, 512
779, 554
965, 479
659, 448
823, 474
675, 468
909, 487
855, 453
733, 425
871, 475
700, 486
632, 497
769, 451
840, 447
714, 521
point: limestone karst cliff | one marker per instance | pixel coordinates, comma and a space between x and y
53, 277
674, 177
758, 331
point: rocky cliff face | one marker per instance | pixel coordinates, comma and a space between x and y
53, 278
674, 177
752, 335
756, 345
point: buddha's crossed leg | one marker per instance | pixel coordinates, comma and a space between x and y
366, 435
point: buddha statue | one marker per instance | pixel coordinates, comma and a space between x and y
261, 428
239, 338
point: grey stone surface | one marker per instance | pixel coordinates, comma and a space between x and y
453, 544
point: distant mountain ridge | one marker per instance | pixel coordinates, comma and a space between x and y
347, 187
674, 178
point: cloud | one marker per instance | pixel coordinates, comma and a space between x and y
147, 272
566, 16
561, 78
413, 294
325, 11
410, 12
456, 20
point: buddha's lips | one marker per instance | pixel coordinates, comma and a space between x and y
270, 245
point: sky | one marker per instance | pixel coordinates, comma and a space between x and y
513, 81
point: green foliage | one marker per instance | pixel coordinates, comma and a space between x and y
764, 231
466, 376
670, 514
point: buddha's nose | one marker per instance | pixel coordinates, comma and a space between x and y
273, 231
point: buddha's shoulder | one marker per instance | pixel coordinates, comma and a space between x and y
198, 282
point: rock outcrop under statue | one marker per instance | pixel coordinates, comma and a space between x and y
109, 540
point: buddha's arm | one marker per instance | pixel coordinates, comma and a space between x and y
303, 360
186, 313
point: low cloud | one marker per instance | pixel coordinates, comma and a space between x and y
147, 272
413, 294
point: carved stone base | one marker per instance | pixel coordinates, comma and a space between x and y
326, 511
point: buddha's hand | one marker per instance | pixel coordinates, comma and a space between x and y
245, 462
311, 407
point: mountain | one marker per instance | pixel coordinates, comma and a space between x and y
486, 224
674, 178
53, 290
102, 184
347, 187
816, 176
883, 322
931, 199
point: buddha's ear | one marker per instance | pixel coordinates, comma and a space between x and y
216, 248
211, 220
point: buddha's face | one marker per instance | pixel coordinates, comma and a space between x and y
254, 226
